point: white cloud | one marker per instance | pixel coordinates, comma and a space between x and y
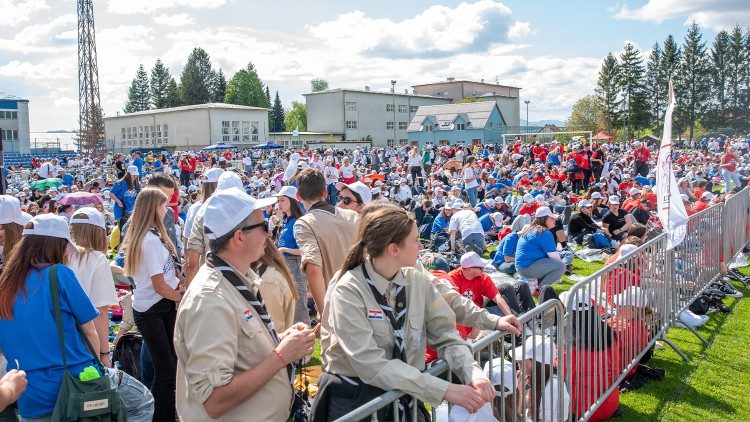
439, 31
716, 14
17, 12
128, 7
180, 19
521, 29
35, 38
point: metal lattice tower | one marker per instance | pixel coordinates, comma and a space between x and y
90, 121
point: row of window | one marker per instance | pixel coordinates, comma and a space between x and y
8, 114
236, 131
456, 126
9, 138
144, 142
352, 124
133, 133
352, 106
401, 142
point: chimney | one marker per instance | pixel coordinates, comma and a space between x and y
367, 88
406, 91
451, 79
118, 114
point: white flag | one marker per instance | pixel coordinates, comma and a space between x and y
669, 204
296, 131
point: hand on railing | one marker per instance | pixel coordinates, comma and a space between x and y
465, 396
509, 324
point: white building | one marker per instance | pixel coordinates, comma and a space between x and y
187, 128
14, 124
364, 115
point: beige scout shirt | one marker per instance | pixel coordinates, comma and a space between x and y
214, 340
198, 241
324, 236
362, 347
278, 297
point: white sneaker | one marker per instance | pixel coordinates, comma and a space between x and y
690, 319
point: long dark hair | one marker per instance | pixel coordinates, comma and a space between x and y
30, 251
590, 331
130, 181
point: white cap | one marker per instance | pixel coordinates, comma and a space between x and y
627, 249
538, 348
448, 205
498, 218
539, 198
544, 212
626, 175
614, 199
528, 198
375, 191
458, 204
634, 191
403, 180
503, 373
228, 180
213, 174
10, 210
584, 203
708, 196
288, 191
473, 260
632, 296
581, 301
133, 170
490, 202
359, 188
378, 183
596, 195
93, 217
49, 225
225, 209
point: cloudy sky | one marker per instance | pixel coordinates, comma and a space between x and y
552, 49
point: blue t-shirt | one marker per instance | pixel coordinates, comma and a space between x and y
482, 210
486, 222
507, 247
554, 159
31, 337
158, 166
286, 237
67, 179
138, 162
534, 246
120, 189
439, 224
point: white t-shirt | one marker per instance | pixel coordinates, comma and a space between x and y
469, 173
347, 171
190, 215
466, 222
415, 161
332, 174
93, 273
48, 170
155, 260
247, 161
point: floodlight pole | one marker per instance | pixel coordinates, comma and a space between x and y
527, 115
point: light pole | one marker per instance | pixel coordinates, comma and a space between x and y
393, 97
527, 115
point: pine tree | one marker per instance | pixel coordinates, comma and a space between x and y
737, 74
277, 115
719, 73
670, 62
268, 95
160, 79
631, 81
653, 83
197, 77
219, 87
173, 94
139, 97
608, 88
693, 86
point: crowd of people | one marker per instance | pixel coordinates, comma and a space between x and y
236, 261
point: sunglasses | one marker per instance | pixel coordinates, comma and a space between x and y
346, 200
255, 226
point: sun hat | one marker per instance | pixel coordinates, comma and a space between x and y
288, 191
538, 348
528, 198
634, 191
503, 374
614, 199
544, 212
490, 202
10, 210
225, 209
473, 260
133, 170
584, 204
213, 174
228, 180
497, 217
632, 296
51, 225
93, 217
359, 188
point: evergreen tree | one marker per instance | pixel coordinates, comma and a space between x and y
608, 88
670, 62
633, 94
160, 80
737, 72
139, 97
653, 83
693, 85
719, 72
219, 87
277, 115
197, 80
173, 94
245, 88
268, 95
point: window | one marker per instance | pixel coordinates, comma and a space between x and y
124, 134
153, 131
296, 143
254, 131
413, 109
389, 125
402, 108
351, 106
351, 124
225, 131
236, 131
402, 125
389, 107
427, 128
245, 131
140, 133
403, 142
135, 133
166, 135
14, 115
390, 142
158, 133
460, 126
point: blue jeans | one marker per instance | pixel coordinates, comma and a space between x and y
729, 177
507, 268
138, 401
601, 240
333, 194
567, 257
472, 194
474, 242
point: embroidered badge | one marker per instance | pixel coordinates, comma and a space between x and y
248, 314
374, 314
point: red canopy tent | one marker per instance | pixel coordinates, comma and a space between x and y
603, 136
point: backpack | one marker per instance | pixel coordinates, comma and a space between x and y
571, 165
127, 354
699, 306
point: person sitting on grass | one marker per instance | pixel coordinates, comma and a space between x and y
537, 257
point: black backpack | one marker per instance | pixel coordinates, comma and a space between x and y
700, 306
127, 354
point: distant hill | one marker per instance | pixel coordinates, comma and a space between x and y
558, 123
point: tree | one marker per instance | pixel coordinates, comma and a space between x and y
245, 88
219, 87
296, 117
318, 85
653, 83
634, 102
693, 81
160, 80
139, 97
608, 88
277, 115
737, 72
587, 114
197, 78
268, 95
173, 94
719, 73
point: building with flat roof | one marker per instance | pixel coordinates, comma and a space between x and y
14, 124
365, 116
187, 128
463, 123
507, 97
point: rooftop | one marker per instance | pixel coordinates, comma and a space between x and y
476, 113
454, 81
8, 97
364, 91
207, 106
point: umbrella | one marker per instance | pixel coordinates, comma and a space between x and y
453, 165
267, 145
603, 136
45, 183
80, 198
220, 145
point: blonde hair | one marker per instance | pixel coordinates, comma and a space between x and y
88, 237
272, 258
144, 218
13, 233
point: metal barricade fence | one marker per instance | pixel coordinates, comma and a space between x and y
737, 223
524, 370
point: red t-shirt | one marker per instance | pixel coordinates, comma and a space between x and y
730, 161
528, 209
475, 290
174, 199
700, 206
642, 154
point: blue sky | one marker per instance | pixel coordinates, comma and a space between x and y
551, 49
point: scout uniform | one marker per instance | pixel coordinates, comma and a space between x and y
361, 361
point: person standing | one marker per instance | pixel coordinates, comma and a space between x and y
642, 154
729, 172
124, 193
414, 161
470, 180
233, 364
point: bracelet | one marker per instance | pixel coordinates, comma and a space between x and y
281, 357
